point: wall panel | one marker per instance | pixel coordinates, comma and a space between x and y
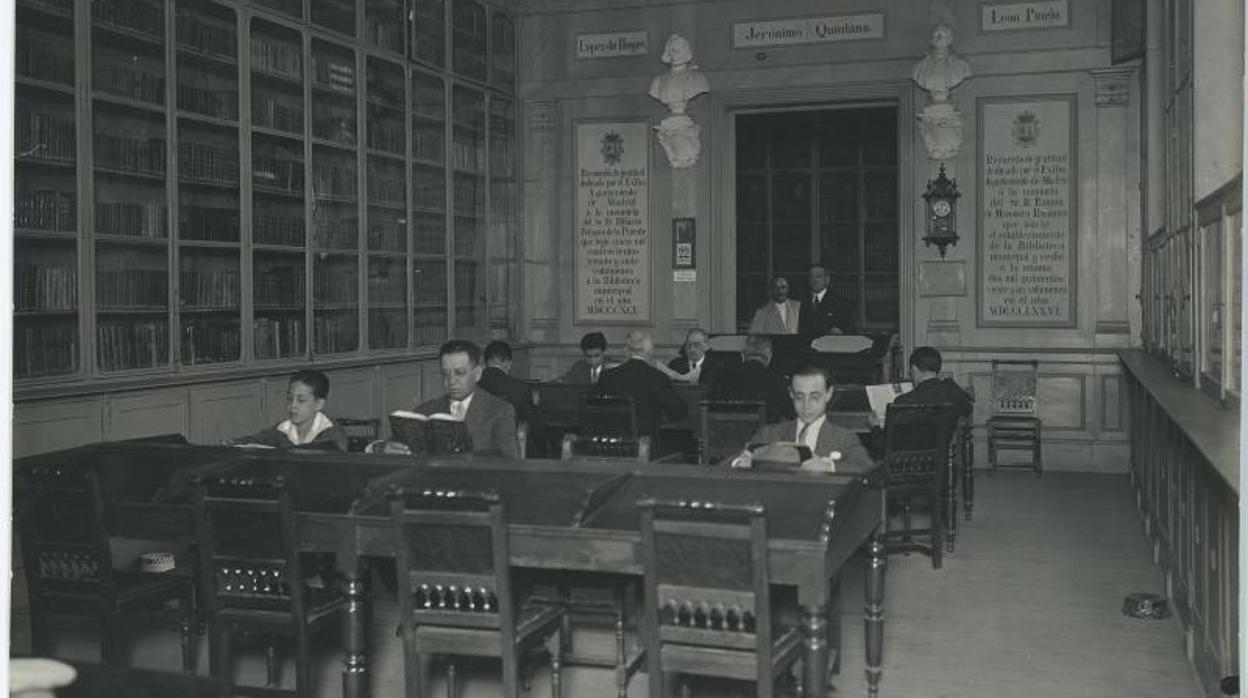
57, 424
147, 414
223, 411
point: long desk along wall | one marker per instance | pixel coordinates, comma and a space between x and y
1185, 473
225, 183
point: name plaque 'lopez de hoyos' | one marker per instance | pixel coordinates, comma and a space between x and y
1027, 208
612, 223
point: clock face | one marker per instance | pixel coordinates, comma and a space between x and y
941, 208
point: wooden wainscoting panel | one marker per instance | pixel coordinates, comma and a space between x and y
1062, 401
148, 413
400, 387
352, 393
1113, 407
50, 426
226, 410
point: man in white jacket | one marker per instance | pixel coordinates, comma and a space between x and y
779, 316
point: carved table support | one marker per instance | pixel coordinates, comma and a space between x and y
951, 498
815, 648
874, 616
355, 682
968, 473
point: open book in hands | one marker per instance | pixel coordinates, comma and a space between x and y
430, 434
881, 396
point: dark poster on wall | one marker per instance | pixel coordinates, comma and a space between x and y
684, 253
1128, 30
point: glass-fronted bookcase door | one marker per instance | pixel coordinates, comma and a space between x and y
208, 184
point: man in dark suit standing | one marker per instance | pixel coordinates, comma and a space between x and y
930, 388
588, 370
754, 379
651, 390
823, 312
497, 379
694, 365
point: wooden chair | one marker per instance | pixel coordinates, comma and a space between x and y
708, 596
1015, 424
605, 447
360, 432
608, 415
455, 590
259, 582
64, 537
725, 425
916, 467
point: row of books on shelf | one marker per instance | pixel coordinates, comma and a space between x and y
386, 135
333, 180
208, 223
279, 287
390, 289
220, 104
333, 74
335, 284
274, 229
428, 145
209, 289
390, 191
146, 220
141, 156
131, 344
270, 111
125, 81
42, 136
428, 194
334, 230
144, 16
38, 287
208, 341
278, 337
336, 333
336, 127
385, 89
45, 56
44, 351
277, 172
133, 288
387, 328
385, 35
469, 196
276, 56
212, 162
466, 156
202, 36
45, 209
389, 235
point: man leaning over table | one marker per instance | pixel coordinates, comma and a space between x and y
835, 449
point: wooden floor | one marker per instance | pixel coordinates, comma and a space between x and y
1028, 605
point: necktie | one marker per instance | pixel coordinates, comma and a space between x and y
593, 375
457, 409
784, 311
801, 433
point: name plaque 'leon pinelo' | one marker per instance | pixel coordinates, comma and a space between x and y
612, 223
1027, 175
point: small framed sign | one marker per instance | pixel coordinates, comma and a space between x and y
684, 253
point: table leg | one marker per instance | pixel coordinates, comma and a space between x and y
834, 625
355, 636
951, 503
874, 616
815, 661
968, 476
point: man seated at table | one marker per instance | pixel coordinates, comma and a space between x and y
779, 316
588, 370
834, 449
491, 421
930, 388
693, 365
652, 392
754, 379
496, 378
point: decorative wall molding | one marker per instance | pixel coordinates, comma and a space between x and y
541, 115
1113, 86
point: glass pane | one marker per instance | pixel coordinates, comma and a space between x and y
276, 79
880, 253
132, 302
838, 197
880, 195
387, 148
839, 247
45, 201
751, 198
879, 137
1213, 310
504, 290
790, 199
207, 42
790, 247
468, 168
293, 8
335, 214
280, 298
387, 302
751, 142
429, 224
468, 44
1237, 281
430, 307
335, 297
334, 15
333, 94
429, 31
503, 57
210, 307
383, 24
790, 141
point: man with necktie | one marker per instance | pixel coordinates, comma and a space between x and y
834, 449
822, 311
781, 315
694, 365
588, 370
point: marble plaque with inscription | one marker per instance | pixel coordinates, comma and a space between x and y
612, 223
1027, 207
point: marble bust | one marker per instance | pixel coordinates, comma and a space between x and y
941, 70
678, 133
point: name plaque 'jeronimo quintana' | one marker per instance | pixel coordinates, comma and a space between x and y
612, 223
1027, 216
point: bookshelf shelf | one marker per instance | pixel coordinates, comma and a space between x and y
37, 234
58, 163
63, 11
273, 191
340, 146
132, 310
203, 120
132, 240
44, 312
125, 36
287, 80
276, 133
49, 85
127, 103
210, 61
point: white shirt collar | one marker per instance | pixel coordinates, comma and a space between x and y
319, 424
693, 365
819, 295
812, 434
467, 402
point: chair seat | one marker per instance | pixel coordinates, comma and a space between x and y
481, 639
321, 604
132, 586
731, 662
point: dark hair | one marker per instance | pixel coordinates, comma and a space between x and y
815, 370
817, 264
456, 346
926, 359
497, 350
315, 380
594, 340
757, 346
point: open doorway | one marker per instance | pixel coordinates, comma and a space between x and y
819, 184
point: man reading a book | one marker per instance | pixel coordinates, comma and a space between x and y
833, 448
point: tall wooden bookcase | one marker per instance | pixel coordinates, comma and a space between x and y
208, 185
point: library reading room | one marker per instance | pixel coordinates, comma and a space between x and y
591, 348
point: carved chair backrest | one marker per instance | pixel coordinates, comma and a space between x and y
63, 531
706, 574
726, 425
453, 560
605, 448
559, 403
608, 415
248, 543
916, 442
1014, 386
360, 432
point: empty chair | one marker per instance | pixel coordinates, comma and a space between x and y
455, 589
259, 583
725, 425
1015, 423
916, 469
608, 415
708, 596
69, 568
